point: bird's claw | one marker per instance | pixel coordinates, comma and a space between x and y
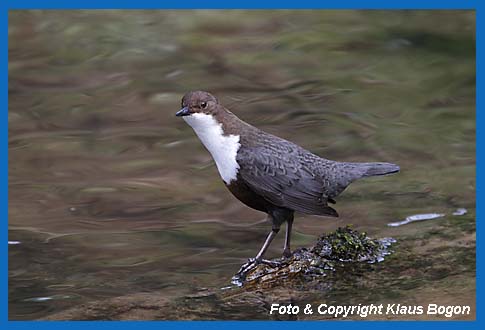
272, 264
240, 277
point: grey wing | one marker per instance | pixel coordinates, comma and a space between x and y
284, 178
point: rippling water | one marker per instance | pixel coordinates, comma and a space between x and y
110, 194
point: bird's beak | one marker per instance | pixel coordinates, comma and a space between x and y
183, 112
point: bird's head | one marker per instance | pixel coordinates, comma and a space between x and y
198, 102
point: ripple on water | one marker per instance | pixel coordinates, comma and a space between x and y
416, 217
54, 297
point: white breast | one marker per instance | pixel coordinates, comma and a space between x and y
222, 148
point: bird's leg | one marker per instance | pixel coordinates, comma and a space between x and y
266, 244
240, 276
259, 257
287, 250
277, 216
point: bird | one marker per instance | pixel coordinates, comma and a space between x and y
268, 173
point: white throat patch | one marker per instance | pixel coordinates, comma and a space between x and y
222, 148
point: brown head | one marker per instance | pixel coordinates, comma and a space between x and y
199, 102
201, 110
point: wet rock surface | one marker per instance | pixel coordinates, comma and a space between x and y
339, 249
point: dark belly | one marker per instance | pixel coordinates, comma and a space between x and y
242, 192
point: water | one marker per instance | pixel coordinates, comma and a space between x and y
111, 195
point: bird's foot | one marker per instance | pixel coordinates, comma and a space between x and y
240, 277
287, 253
271, 263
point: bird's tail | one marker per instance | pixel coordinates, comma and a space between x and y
349, 172
373, 169
355, 171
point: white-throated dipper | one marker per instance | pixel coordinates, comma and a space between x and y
268, 173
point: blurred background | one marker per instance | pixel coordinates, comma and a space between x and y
110, 194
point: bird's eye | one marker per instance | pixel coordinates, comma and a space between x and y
203, 105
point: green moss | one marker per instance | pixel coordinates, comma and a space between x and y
348, 245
